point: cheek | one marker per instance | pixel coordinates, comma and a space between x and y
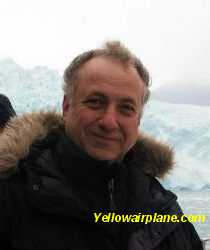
71, 121
84, 118
131, 129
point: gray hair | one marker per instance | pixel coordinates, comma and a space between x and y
112, 49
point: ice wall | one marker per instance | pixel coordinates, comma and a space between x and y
187, 129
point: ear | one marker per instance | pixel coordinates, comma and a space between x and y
140, 116
65, 105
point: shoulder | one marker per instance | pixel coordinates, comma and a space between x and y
186, 235
20, 134
5, 198
156, 158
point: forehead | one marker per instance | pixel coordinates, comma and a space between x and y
111, 76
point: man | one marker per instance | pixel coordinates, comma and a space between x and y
6, 111
58, 173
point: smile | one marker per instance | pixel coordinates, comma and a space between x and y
105, 138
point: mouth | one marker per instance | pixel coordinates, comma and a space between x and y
106, 138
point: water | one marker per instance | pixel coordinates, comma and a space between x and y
197, 202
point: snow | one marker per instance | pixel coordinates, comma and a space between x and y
187, 129
30, 89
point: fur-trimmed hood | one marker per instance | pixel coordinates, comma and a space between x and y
154, 157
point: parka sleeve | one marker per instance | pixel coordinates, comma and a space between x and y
5, 219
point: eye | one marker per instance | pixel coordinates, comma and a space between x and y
94, 103
127, 109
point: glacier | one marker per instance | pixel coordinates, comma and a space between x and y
30, 89
185, 127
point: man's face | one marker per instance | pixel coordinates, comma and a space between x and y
104, 114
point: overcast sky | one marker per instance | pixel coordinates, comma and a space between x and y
172, 37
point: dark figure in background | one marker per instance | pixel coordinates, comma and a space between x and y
57, 170
6, 110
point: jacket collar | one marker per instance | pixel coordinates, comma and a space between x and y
77, 165
153, 157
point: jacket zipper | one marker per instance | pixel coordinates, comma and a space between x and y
111, 194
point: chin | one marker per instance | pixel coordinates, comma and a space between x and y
104, 156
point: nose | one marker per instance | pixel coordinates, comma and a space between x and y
108, 121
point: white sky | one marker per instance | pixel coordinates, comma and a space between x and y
172, 37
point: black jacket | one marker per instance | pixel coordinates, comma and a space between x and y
49, 190
6, 110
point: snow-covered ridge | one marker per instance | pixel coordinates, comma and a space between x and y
186, 127
30, 89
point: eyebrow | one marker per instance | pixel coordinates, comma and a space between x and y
125, 99
128, 100
99, 94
